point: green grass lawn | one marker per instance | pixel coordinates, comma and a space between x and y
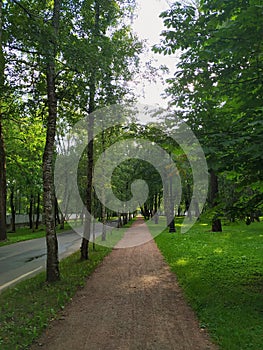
221, 275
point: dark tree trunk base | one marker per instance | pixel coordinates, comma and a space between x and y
172, 227
216, 225
84, 249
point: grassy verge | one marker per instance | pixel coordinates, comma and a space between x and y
25, 234
26, 309
222, 277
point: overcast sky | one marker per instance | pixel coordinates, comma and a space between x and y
148, 26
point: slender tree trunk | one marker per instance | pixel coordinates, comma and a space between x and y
216, 222
2, 147
48, 175
57, 218
125, 218
172, 224
119, 225
84, 249
94, 234
87, 224
38, 211
30, 213
103, 208
13, 211
197, 210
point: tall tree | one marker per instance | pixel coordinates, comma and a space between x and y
2, 147
217, 86
92, 93
48, 157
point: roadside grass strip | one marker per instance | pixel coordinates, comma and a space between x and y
221, 275
27, 308
26, 234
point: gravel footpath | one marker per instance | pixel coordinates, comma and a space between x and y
132, 301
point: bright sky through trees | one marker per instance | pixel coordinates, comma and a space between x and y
149, 26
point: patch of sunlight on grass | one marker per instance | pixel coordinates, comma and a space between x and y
181, 262
203, 224
218, 250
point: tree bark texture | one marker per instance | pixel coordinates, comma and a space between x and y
48, 175
2, 146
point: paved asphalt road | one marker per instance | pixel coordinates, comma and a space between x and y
24, 259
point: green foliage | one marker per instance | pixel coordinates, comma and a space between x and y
217, 85
109, 54
222, 277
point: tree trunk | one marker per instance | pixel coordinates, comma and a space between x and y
125, 218
94, 234
216, 222
87, 224
13, 211
119, 225
103, 208
48, 175
38, 211
84, 249
172, 228
2, 147
30, 214
57, 218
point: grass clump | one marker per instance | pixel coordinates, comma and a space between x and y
222, 277
26, 309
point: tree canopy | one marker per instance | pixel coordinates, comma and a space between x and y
217, 89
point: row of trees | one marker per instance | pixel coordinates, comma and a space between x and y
59, 61
217, 89
62, 60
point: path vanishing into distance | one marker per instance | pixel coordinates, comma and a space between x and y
131, 301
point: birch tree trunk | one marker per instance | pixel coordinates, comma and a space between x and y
48, 175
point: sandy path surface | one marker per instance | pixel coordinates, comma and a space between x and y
132, 301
